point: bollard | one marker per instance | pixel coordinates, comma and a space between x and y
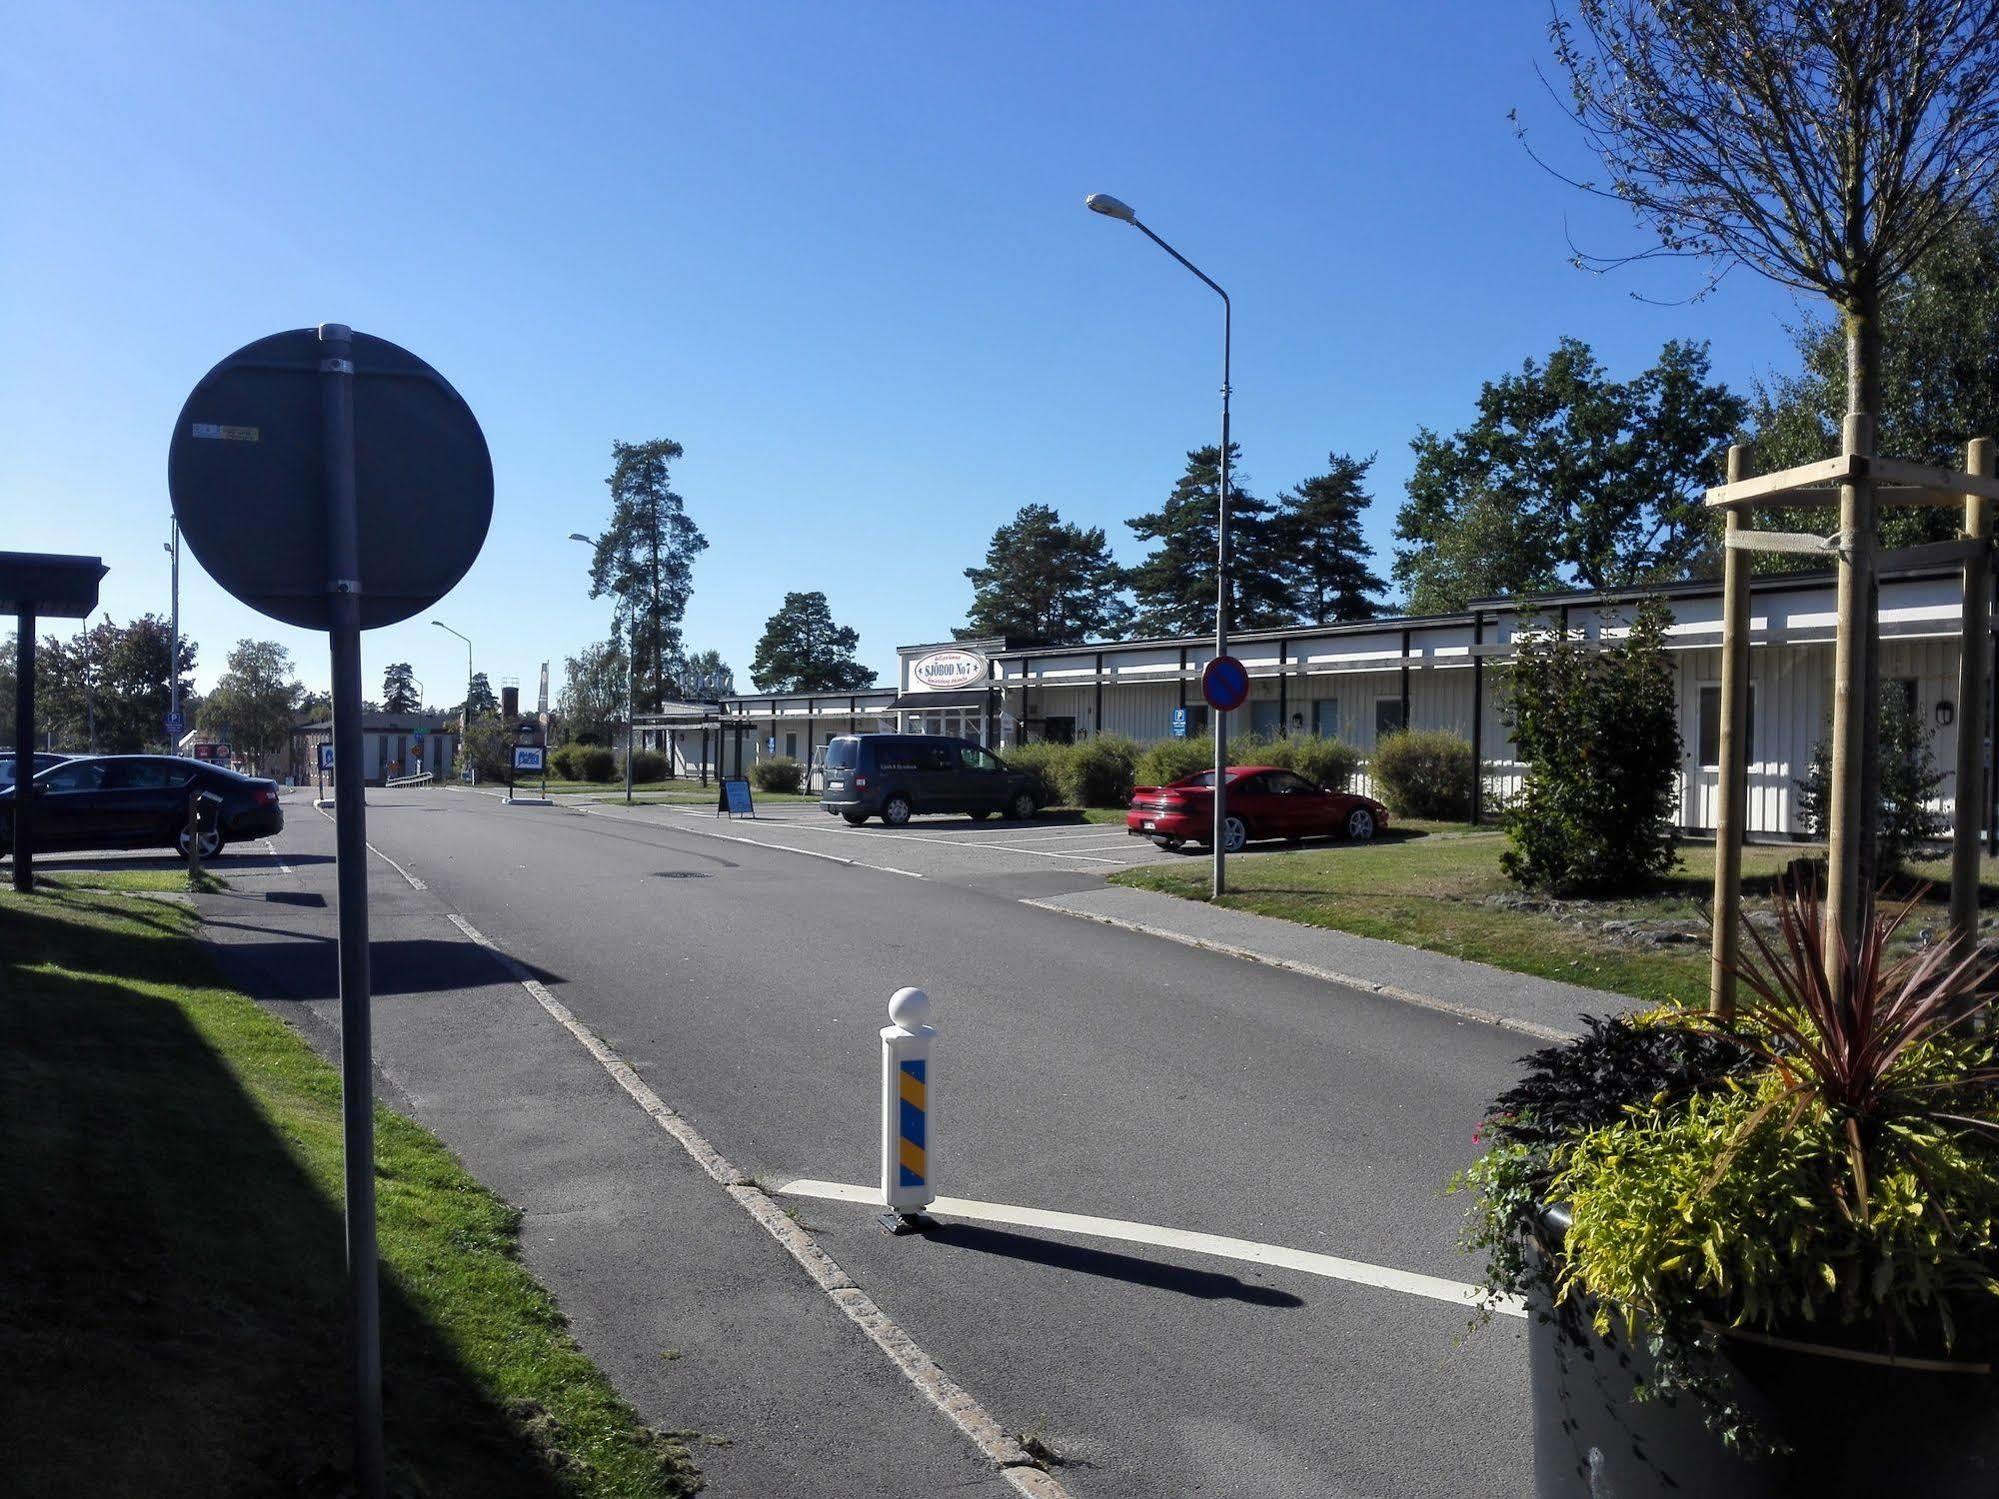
906, 1142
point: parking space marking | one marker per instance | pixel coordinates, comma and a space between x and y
283, 867
783, 848
1331, 1266
954, 842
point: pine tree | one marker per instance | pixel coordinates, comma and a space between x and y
1046, 580
802, 650
399, 689
1174, 587
1320, 553
645, 560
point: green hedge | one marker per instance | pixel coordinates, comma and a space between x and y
1424, 773
595, 763
777, 773
648, 765
1327, 761
1170, 759
1100, 772
1043, 764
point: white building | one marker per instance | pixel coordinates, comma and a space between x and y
1356, 681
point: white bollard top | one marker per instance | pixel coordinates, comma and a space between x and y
910, 1009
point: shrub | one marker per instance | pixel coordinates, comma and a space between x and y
1170, 759
489, 748
1424, 773
648, 765
1908, 778
1327, 761
1600, 733
1045, 764
777, 773
1099, 772
565, 764
597, 764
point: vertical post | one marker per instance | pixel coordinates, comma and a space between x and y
194, 839
1973, 661
1849, 706
1405, 680
173, 645
631, 700
336, 376
1732, 795
906, 1139
1222, 617
1477, 719
24, 751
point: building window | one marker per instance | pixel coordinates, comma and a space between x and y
1388, 716
1326, 718
1264, 720
1710, 728
1060, 730
791, 746
1197, 720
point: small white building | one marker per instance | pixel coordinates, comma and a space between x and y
392, 744
1357, 681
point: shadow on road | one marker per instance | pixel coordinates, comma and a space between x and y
1208, 1285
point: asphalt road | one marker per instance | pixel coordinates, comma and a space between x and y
1078, 1068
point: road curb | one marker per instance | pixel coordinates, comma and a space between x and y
1313, 970
916, 1366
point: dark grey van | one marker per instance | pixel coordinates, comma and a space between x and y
897, 776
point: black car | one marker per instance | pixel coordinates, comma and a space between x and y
43, 761
895, 776
140, 801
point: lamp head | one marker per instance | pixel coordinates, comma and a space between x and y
1110, 207
577, 536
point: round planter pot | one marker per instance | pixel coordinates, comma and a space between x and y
1857, 1428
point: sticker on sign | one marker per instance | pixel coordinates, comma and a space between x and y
226, 434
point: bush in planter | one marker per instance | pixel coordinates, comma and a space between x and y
1045, 764
1597, 809
1825, 1174
777, 773
1423, 773
1099, 772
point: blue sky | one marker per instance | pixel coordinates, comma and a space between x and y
838, 252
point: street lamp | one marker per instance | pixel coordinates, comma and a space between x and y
631, 662
1110, 207
465, 718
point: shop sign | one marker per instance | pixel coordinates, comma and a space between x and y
945, 669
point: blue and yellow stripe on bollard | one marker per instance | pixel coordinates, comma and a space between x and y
912, 1156
907, 1145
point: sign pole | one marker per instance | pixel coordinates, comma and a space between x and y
336, 384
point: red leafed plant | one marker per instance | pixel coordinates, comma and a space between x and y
1847, 1048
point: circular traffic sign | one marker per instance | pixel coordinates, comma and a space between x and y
1225, 684
247, 473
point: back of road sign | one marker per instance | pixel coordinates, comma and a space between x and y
247, 471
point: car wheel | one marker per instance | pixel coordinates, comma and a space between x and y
211, 842
855, 819
1022, 808
1235, 833
980, 814
1360, 825
896, 810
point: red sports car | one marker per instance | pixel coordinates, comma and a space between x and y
1264, 801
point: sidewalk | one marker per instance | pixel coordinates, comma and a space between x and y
1543, 1008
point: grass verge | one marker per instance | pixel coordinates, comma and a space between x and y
174, 1316
1442, 891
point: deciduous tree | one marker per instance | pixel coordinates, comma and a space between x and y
254, 701
1570, 477
802, 650
593, 691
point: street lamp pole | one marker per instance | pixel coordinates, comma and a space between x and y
631, 663
465, 718
173, 641
1110, 207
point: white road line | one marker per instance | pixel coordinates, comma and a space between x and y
948, 842
283, 867
783, 848
922, 1371
1357, 1272
415, 883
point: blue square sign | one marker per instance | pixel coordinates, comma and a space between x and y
1179, 723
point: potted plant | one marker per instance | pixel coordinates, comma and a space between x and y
1762, 1258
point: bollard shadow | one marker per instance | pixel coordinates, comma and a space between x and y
1057, 1254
